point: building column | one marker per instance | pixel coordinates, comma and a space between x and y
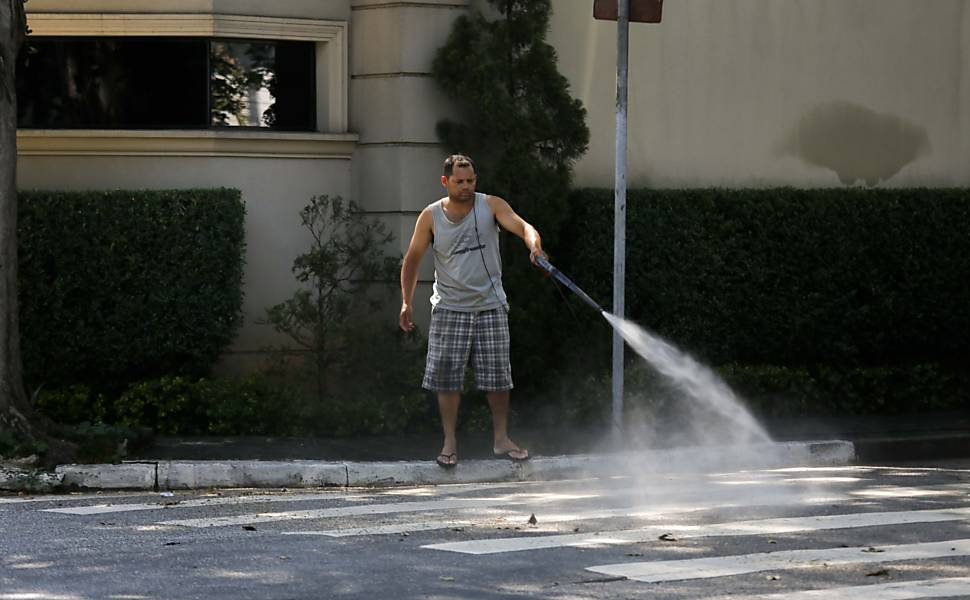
394, 107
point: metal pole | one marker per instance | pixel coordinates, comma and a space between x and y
619, 207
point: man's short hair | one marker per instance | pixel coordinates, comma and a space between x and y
457, 160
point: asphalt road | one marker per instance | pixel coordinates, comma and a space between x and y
900, 531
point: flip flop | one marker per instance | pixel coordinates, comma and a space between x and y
447, 465
508, 454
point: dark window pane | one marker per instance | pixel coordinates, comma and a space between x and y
263, 84
295, 86
114, 83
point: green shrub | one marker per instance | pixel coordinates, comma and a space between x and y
12, 446
101, 443
168, 406
789, 277
834, 390
254, 405
73, 404
123, 286
584, 399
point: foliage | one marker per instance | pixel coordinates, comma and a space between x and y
583, 398
836, 390
167, 405
73, 404
258, 404
519, 122
843, 301
253, 405
122, 286
13, 445
364, 375
101, 443
850, 277
345, 259
525, 132
233, 81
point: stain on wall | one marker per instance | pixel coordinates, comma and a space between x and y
855, 142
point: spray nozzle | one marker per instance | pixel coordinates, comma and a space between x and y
561, 278
544, 264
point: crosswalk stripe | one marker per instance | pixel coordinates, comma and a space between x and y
100, 509
721, 566
384, 529
344, 511
751, 527
898, 590
257, 498
62, 498
535, 499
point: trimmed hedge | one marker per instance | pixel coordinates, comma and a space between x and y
851, 277
836, 390
122, 286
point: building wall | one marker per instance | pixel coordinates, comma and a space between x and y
762, 93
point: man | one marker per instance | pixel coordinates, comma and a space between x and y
468, 315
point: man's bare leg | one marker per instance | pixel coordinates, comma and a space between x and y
499, 403
448, 407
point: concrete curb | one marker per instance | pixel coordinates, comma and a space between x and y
302, 473
13, 479
238, 473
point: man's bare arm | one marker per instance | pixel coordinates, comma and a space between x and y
420, 241
513, 223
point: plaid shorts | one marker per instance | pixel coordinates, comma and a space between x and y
455, 337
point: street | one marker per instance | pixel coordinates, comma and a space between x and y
841, 532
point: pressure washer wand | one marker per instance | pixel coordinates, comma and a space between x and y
546, 266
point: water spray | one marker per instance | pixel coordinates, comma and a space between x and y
694, 380
561, 278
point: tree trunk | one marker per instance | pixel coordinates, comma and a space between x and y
17, 414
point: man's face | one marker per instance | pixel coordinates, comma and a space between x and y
461, 184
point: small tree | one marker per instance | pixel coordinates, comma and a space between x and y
344, 260
520, 124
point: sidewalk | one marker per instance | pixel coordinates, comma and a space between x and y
876, 439
203, 462
888, 439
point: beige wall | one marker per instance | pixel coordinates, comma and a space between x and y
770, 92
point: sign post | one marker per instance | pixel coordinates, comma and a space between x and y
623, 11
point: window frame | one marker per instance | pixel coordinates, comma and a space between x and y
331, 74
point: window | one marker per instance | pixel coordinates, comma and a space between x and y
166, 83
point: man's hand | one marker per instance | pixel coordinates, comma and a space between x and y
407, 321
536, 250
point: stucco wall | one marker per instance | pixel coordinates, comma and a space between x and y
769, 92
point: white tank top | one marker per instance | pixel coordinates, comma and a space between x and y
467, 265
